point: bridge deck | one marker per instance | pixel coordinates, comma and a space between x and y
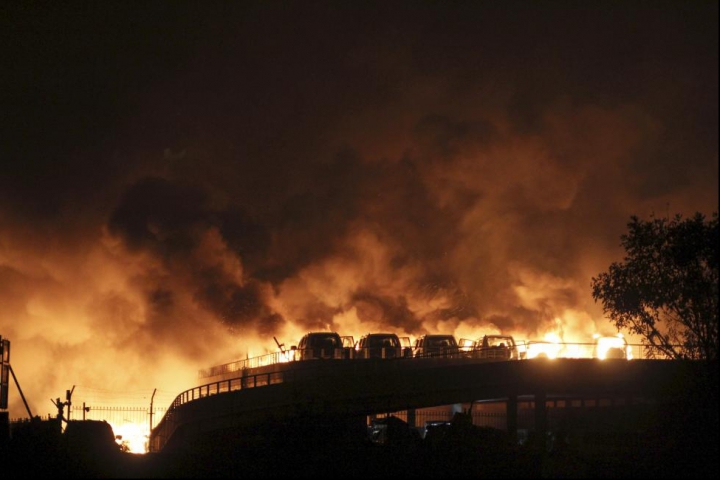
342, 388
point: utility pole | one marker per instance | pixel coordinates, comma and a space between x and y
68, 400
20, 390
151, 410
5, 367
61, 406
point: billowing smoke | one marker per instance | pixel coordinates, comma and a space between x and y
245, 174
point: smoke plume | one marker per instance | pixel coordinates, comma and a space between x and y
179, 186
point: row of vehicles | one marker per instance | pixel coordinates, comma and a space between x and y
331, 345
327, 345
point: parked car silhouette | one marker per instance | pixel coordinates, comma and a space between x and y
500, 347
381, 345
435, 345
323, 345
611, 347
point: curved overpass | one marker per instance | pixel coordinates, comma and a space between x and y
353, 389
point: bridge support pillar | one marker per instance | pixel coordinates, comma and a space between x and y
411, 417
511, 414
541, 419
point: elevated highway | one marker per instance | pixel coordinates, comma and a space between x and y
352, 389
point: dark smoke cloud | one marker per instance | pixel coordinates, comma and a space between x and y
158, 215
180, 182
392, 312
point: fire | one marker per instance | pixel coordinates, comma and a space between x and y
286, 356
543, 349
131, 436
574, 350
612, 347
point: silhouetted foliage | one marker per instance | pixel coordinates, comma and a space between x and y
666, 289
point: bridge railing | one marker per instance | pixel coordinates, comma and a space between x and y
169, 423
254, 362
525, 350
277, 357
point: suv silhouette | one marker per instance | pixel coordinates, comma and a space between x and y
382, 345
436, 345
611, 347
323, 345
500, 347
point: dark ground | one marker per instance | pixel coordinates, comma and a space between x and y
675, 448
662, 440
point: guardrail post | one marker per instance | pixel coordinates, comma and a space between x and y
243, 380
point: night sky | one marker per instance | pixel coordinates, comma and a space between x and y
182, 181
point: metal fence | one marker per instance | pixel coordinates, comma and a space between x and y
132, 424
116, 415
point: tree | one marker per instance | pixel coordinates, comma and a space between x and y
666, 289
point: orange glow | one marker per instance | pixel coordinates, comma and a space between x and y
542, 349
132, 436
574, 350
612, 347
286, 356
